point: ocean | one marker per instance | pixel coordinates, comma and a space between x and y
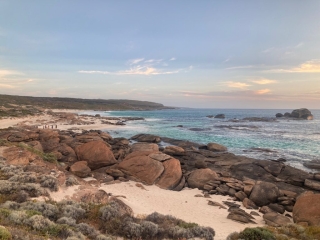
297, 141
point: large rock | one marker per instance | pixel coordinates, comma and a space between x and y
96, 154
198, 178
146, 138
80, 169
49, 140
275, 219
312, 184
302, 113
152, 147
307, 209
264, 193
251, 171
174, 150
220, 116
313, 164
215, 147
172, 174
143, 168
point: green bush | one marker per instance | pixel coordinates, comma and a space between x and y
5, 234
257, 233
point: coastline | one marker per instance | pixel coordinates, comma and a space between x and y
147, 199
182, 205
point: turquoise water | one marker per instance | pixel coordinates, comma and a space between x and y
296, 141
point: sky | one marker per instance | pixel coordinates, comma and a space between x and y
183, 53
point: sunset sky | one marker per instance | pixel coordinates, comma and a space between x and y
209, 54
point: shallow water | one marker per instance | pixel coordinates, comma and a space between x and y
295, 140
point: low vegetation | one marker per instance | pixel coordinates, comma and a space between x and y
17, 106
288, 232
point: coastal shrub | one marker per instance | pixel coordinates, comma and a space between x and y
48, 210
295, 231
103, 237
131, 229
148, 229
33, 189
10, 205
109, 211
7, 187
203, 232
233, 236
68, 221
5, 234
177, 232
21, 196
72, 210
18, 217
38, 222
87, 230
50, 182
71, 181
256, 234
24, 178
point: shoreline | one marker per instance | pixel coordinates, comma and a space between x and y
183, 204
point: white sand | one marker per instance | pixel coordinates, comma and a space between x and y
48, 120
181, 204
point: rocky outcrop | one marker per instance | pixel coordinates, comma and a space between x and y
198, 178
222, 116
146, 138
172, 174
174, 151
214, 147
264, 193
313, 164
143, 168
307, 209
302, 113
96, 154
144, 147
275, 219
80, 169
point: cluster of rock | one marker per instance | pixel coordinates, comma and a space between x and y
301, 113
270, 186
220, 115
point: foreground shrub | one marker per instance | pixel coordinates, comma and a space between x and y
71, 180
50, 182
257, 233
5, 234
72, 210
295, 231
109, 211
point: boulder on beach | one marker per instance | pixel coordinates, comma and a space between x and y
307, 209
172, 174
279, 115
142, 167
264, 193
80, 169
96, 154
198, 178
